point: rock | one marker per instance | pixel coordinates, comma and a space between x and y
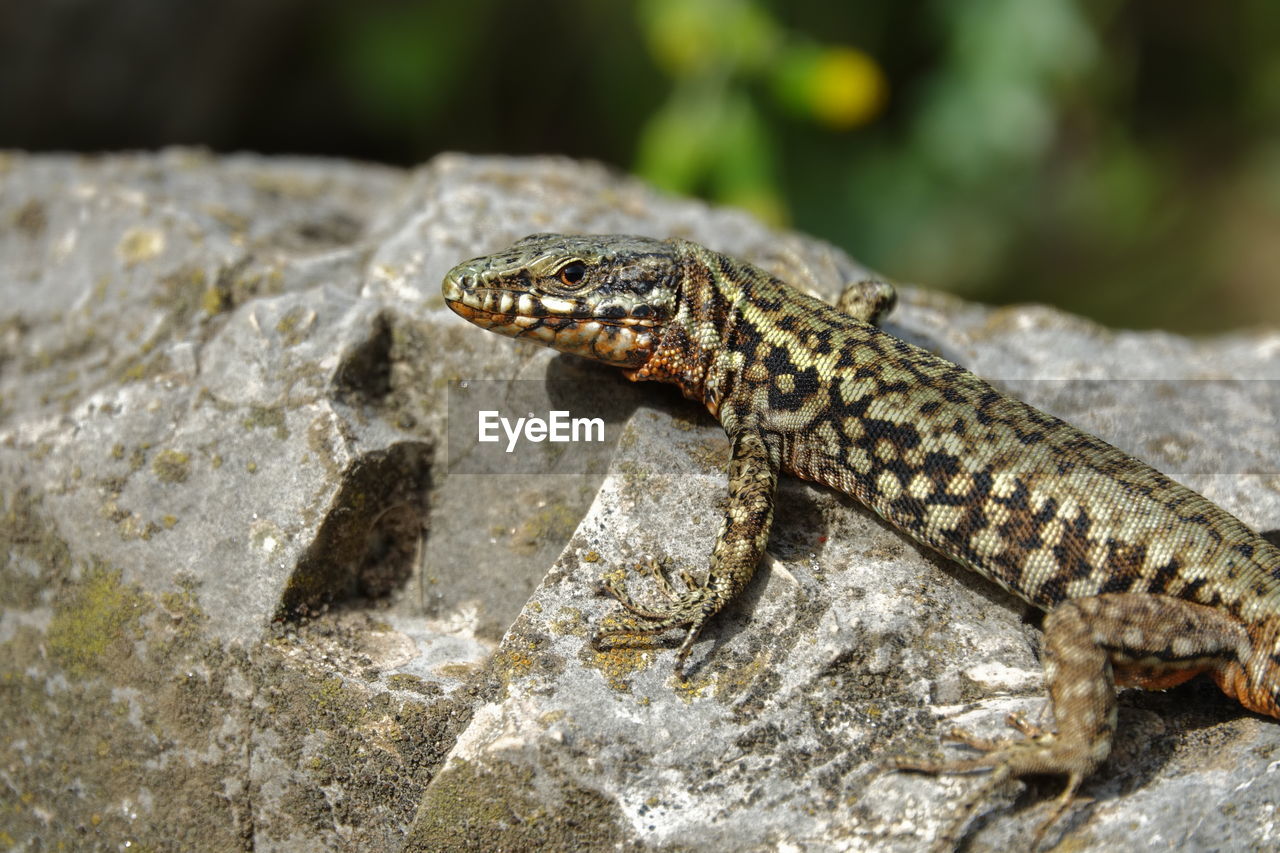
253, 595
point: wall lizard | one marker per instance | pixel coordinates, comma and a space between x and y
1144, 582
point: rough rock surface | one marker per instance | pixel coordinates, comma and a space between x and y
244, 603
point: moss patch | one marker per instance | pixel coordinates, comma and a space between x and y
25, 538
94, 618
502, 806
261, 417
171, 466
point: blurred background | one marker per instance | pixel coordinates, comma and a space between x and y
1118, 159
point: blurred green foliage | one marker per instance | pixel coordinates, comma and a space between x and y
1120, 158
1028, 155
1115, 158
710, 135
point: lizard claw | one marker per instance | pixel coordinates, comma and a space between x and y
687, 609
655, 567
1003, 758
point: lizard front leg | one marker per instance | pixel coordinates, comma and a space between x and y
868, 300
1091, 644
744, 532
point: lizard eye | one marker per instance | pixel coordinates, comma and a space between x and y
572, 274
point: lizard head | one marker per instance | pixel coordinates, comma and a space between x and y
603, 297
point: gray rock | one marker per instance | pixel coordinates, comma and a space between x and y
252, 599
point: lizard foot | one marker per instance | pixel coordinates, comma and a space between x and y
1040, 752
688, 608
1015, 720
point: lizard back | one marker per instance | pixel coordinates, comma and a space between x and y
1047, 511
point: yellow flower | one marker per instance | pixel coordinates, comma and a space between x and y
847, 88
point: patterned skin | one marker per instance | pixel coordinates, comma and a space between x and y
1145, 582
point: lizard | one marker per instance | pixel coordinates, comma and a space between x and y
1143, 581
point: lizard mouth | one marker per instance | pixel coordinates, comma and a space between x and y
501, 308
623, 342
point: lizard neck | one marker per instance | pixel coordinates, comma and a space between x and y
694, 339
